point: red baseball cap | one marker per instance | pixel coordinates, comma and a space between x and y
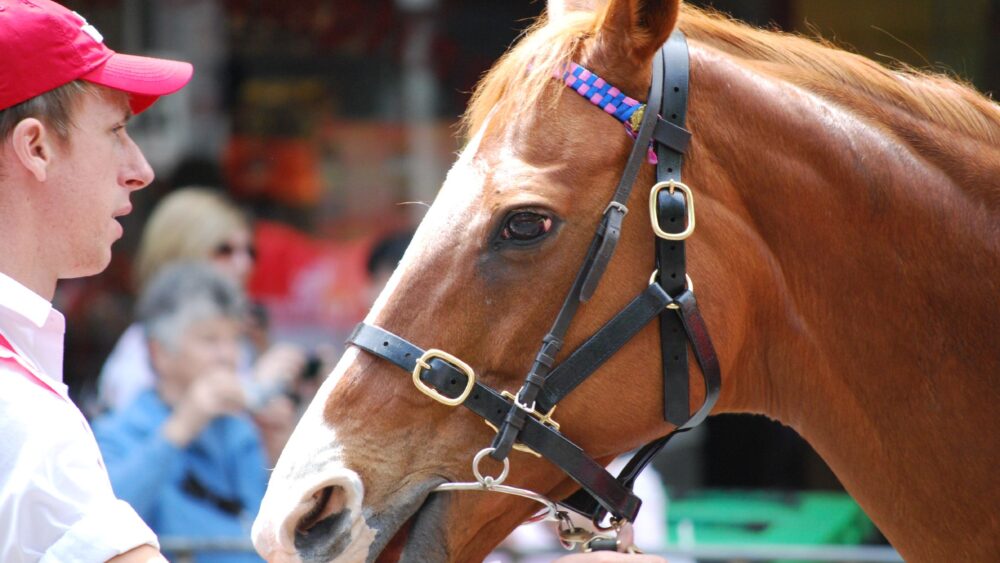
44, 45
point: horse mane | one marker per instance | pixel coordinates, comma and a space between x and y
527, 69
848, 79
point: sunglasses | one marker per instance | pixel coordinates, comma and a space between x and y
227, 250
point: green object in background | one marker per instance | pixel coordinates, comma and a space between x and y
733, 517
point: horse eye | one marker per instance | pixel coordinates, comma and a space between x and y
525, 226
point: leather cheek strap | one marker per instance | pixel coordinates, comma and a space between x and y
704, 352
610, 338
487, 403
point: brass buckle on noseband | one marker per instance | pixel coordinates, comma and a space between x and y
422, 364
545, 419
519, 447
671, 185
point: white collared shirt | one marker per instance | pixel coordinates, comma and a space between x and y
56, 502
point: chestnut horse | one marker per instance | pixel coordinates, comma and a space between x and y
846, 259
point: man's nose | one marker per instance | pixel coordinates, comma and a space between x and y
137, 173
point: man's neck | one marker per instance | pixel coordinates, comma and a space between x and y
23, 251
44, 286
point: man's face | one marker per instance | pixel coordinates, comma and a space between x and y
205, 346
93, 174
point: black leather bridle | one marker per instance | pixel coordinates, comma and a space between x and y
524, 420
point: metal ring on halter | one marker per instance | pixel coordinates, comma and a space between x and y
687, 282
488, 483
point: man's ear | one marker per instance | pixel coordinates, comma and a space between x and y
33, 146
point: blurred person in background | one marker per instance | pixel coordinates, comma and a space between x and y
67, 170
185, 453
202, 224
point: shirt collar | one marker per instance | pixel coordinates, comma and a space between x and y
33, 326
23, 301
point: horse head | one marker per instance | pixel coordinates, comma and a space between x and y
807, 214
483, 278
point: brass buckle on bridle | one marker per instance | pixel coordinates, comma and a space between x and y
545, 419
422, 364
671, 185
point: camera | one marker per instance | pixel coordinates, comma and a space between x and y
312, 367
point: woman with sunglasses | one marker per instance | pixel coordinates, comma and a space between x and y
201, 224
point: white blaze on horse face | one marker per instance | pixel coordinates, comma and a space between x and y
313, 457
311, 461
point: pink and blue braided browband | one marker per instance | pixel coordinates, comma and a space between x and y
600, 93
613, 101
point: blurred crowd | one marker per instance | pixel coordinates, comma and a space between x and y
196, 399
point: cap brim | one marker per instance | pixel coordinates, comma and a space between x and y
145, 78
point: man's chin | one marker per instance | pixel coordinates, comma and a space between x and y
92, 267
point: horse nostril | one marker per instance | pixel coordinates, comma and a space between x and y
330, 501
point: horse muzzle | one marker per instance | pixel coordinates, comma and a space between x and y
318, 522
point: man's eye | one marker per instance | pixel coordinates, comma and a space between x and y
525, 226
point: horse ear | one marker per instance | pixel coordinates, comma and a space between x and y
640, 26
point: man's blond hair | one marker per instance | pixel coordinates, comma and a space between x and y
53, 108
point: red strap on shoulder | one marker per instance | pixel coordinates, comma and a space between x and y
19, 363
4, 343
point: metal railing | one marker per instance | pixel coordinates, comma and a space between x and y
183, 550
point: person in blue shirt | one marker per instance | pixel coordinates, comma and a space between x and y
185, 454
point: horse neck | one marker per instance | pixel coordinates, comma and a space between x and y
878, 306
